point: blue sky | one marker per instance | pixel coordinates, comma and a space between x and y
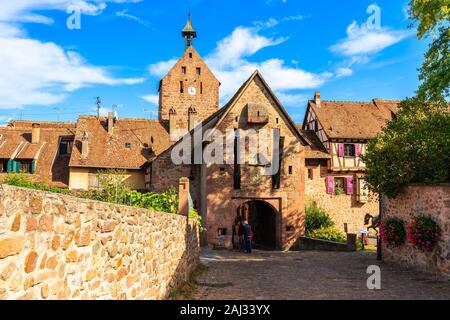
123, 48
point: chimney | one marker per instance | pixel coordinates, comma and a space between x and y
84, 145
376, 101
317, 98
35, 132
110, 123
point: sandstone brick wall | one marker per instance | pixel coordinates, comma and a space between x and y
55, 246
222, 201
205, 101
415, 200
343, 208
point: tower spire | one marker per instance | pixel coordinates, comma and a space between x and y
188, 33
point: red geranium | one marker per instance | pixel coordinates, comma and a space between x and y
423, 233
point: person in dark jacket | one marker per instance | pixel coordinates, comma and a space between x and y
247, 237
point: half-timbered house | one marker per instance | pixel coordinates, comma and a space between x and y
335, 173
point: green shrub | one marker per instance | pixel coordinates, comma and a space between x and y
166, 201
328, 233
193, 214
18, 180
24, 181
316, 217
113, 185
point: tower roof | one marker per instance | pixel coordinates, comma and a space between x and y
188, 29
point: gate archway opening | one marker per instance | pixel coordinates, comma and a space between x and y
262, 217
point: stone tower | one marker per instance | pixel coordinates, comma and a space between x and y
189, 92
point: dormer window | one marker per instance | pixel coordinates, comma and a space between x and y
65, 146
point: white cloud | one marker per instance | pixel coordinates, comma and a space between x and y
293, 99
242, 42
343, 72
361, 41
128, 16
229, 62
159, 69
152, 98
42, 73
272, 22
34, 72
23, 10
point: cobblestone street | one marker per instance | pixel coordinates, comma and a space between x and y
308, 275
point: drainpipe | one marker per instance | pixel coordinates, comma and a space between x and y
381, 208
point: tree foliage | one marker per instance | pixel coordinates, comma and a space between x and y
433, 18
414, 148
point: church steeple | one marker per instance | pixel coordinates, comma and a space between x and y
188, 33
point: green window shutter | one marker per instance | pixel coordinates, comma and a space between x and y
16, 166
10, 166
33, 166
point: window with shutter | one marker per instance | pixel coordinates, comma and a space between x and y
357, 150
349, 150
349, 185
330, 184
340, 149
10, 167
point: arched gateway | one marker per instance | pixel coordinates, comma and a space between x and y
263, 219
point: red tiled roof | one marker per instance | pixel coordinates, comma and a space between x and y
145, 138
345, 119
15, 142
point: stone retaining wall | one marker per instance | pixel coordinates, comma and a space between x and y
55, 246
415, 200
305, 243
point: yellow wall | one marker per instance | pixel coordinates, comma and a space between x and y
136, 179
79, 178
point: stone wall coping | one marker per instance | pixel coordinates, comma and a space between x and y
73, 198
417, 184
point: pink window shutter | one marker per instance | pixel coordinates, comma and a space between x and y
349, 185
340, 150
357, 150
330, 184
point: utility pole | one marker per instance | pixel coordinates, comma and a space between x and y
98, 107
150, 112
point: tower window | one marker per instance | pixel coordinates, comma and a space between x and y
290, 169
201, 87
127, 145
181, 87
199, 71
183, 70
310, 174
